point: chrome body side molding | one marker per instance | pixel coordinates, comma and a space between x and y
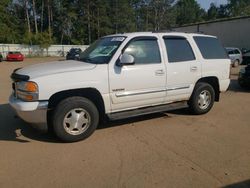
125, 94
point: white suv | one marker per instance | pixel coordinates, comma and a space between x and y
121, 76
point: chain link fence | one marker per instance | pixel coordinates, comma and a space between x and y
35, 50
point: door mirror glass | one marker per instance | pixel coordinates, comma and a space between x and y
127, 59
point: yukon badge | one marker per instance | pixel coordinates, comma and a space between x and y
119, 89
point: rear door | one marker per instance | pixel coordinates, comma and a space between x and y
183, 70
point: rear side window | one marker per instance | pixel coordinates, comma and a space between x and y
178, 49
210, 48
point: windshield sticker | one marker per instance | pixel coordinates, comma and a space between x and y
120, 39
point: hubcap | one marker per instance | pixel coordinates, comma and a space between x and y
204, 99
76, 121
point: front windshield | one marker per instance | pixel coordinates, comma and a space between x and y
101, 51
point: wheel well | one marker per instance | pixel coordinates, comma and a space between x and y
89, 93
214, 82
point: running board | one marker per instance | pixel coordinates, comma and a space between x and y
147, 110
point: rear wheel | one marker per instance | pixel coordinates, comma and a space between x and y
74, 119
202, 99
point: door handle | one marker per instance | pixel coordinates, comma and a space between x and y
194, 68
159, 72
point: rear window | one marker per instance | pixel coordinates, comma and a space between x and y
75, 50
210, 48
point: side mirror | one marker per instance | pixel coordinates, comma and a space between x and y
127, 59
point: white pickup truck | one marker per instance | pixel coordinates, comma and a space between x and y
121, 76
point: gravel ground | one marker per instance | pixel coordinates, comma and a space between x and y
172, 149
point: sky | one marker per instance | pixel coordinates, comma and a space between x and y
206, 3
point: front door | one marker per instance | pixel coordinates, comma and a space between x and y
141, 84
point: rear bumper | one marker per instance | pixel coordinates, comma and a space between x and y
31, 112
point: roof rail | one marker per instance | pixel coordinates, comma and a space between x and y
199, 32
163, 31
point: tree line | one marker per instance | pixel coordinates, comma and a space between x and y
44, 22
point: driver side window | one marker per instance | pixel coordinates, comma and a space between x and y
144, 51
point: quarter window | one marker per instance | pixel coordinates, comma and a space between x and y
145, 51
210, 48
178, 49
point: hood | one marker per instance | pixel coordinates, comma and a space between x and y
56, 67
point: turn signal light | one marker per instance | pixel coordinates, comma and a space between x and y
31, 87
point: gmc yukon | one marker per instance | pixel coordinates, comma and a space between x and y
121, 76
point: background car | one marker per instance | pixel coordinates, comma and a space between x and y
235, 56
244, 77
15, 56
246, 56
1, 57
74, 53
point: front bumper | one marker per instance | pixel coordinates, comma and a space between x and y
31, 112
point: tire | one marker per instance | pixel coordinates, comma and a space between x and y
202, 99
74, 119
236, 63
50, 129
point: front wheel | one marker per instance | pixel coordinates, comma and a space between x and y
202, 99
74, 119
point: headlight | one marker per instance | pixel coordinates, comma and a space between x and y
27, 91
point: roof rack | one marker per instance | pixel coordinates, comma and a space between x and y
164, 31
